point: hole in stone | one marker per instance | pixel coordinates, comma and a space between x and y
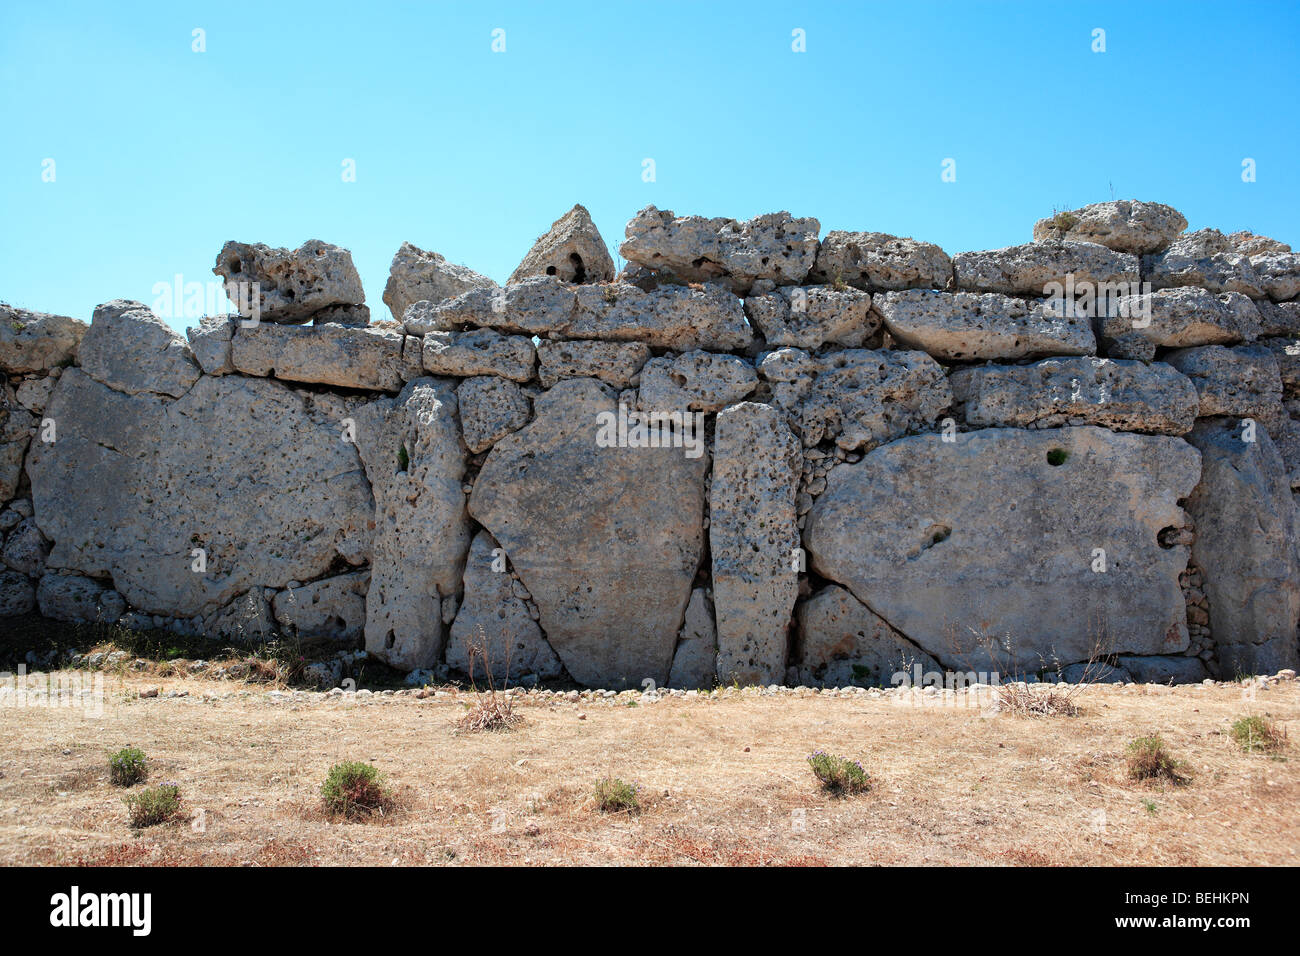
390, 639
1057, 456
579, 270
550, 270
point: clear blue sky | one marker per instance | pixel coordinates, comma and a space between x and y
162, 154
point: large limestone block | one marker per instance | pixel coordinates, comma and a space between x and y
480, 352
73, 597
862, 398
982, 551
17, 594
490, 409
961, 326
1030, 269
606, 539
416, 275
695, 661
36, 341
615, 363
25, 548
494, 619
696, 381
332, 608
130, 349
571, 250
843, 643
1164, 669
371, 358
288, 285
1182, 317
774, 246
1244, 381
15, 434
811, 316
253, 475
411, 448
754, 537
1121, 395
879, 262
1251, 244
1126, 225
1278, 273
1248, 546
1205, 258
1279, 318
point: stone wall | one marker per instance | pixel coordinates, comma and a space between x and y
752, 455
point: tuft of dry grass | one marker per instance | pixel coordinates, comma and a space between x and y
1149, 759
1258, 733
1024, 701
492, 711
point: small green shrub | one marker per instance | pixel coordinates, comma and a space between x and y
1065, 221
403, 458
127, 767
839, 775
615, 796
1057, 456
1260, 734
1149, 759
153, 805
355, 790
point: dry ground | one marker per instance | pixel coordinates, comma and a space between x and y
724, 781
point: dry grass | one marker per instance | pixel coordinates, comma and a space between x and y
1027, 700
723, 781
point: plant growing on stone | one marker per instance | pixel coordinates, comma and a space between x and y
492, 710
355, 791
127, 767
1258, 734
839, 776
153, 805
613, 795
1147, 759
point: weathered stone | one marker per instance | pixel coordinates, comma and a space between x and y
1182, 317
1287, 353
1034, 268
1246, 544
607, 540
791, 372
754, 540
1278, 273
480, 352
615, 363
373, 358
25, 548
695, 381
245, 620
983, 550
17, 594
72, 597
33, 393
15, 434
1285, 433
1204, 258
411, 448
245, 471
697, 249
36, 341
417, 275
1125, 396
354, 316
332, 608
1279, 318
1126, 225
490, 409
863, 398
962, 325
843, 643
494, 621
1250, 244
131, 350
695, 660
290, 284
211, 343
1243, 381
572, 251
878, 262
1164, 669
812, 316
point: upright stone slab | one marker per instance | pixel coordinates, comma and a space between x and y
754, 540
571, 250
131, 350
411, 448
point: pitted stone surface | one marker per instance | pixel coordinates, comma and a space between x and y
490, 409
36, 341
1126, 225
571, 250
291, 284
879, 262
416, 275
373, 358
481, 352
963, 325
695, 381
614, 363
131, 350
1203, 258
862, 398
843, 643
1244, 381
333, 607
1182, 317
696, 658
1030, 269
812, 316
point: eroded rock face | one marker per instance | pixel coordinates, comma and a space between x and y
572, 251
774, 246
494, 621
291, 284
1244, 381
615, 363
843, 643
754, 537
211, 343
812, 316
333, 607
1164, 669
1250, 244
35, 341
1246, 544
1204, 258
607, 540
490, 409
1126, 225
373, 358
695, 381
1031, 268
696, 657
134, 485
1121, 395
862, 398
17, 594
73, 597
1278, 273
878, 262
1183, 317
987, 533
480, 352
417, 275
15, 434
962, 326
131, 350
411, 448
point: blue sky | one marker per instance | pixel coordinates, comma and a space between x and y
162, 154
